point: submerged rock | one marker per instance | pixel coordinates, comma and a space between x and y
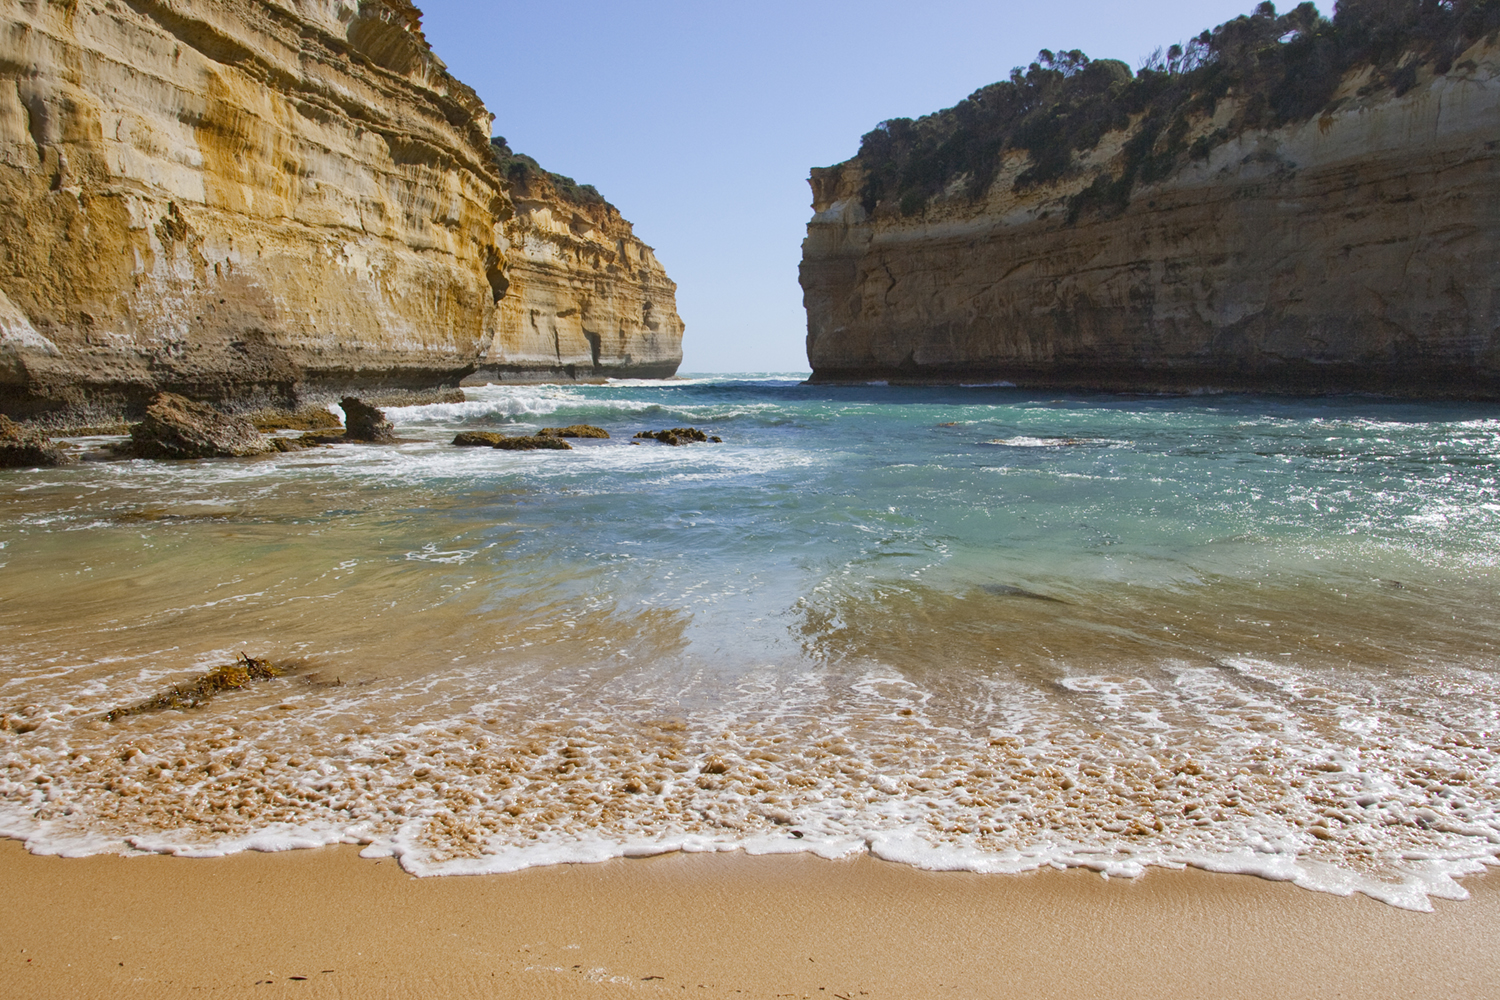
489, 439
1011, 590
178, 428
537, 443
23, 448
304, 442
575, 431
678, 435
477, 439
363, 422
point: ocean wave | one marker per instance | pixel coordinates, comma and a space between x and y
869, 764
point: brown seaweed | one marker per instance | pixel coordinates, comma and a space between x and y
195, 693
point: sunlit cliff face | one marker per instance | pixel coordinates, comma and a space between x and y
1347, 251
587, 298
241, 201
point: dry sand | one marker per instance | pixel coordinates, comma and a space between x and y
712, 926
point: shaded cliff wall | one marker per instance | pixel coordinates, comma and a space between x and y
1354, 251
587, 299
255, 201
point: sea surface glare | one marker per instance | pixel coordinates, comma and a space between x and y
973, 628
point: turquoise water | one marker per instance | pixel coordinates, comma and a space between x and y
964, 627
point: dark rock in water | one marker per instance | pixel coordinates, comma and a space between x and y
363, 422
304, 442
489, 439
175, 428
22, 448
477, 439
538, 443
676, 435
575, 431
1009, 590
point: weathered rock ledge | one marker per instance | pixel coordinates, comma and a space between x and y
1352, 252
587, 299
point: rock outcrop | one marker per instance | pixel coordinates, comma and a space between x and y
678, 435
363, 422
587, 299
490, 439
246, 201
27, 448
1353, 248
574, 431
178, 428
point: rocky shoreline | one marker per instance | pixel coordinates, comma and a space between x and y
175, 428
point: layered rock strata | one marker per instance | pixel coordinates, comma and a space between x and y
238, 200
265, 203
1353, 251
587, 299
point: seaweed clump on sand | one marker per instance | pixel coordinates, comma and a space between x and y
489, 439
242, 673
679, 435
574, 431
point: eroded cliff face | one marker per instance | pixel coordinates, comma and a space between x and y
1356, 251
245, 201
587, 299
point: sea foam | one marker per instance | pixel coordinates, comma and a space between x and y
1242, 636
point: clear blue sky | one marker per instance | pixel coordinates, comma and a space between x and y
700, 119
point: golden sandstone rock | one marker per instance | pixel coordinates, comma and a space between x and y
260, 204
587, 298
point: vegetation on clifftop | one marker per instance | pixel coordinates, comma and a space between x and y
1279, 68
518, 169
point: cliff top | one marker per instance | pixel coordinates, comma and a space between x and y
571, 209
1277, 68
520, 170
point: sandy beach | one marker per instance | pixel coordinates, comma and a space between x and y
329, 924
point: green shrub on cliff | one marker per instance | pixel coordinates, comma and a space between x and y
1281, 68
518, 169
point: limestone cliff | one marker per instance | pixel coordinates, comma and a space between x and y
1353, 248
587, 299
239, 200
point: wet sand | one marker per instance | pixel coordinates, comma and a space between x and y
712, 926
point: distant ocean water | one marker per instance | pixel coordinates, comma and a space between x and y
970, 628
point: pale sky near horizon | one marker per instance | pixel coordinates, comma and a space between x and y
700, 120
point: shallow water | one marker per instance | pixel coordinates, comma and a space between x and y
970, 628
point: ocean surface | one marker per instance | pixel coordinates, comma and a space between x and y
963, 628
